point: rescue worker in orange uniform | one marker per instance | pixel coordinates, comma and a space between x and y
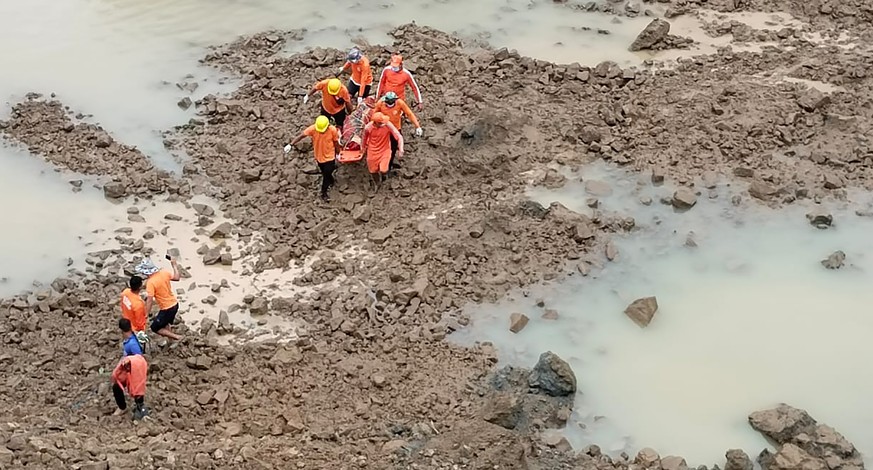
362, 75
132, 305
376, 146
395, 78
336, 103
130, 375
395, 108
325, 144
159, 291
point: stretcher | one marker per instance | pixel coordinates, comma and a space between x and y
353, 131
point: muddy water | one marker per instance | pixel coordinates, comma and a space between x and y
748, 318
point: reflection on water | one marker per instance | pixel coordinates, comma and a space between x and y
749, 318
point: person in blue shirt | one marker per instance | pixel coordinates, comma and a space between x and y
131, 345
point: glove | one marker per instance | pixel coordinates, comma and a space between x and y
305, 98
341, 70
287, 148
360, 100
419, 132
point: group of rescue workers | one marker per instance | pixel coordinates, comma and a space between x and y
130, 374
381, 142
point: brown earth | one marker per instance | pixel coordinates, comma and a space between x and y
377, 386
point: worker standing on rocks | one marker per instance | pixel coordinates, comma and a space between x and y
362, 75
376, 145
336, 103
130, 375
325, 144
160, 291
395, 108
131, 345
395, 78
133, 307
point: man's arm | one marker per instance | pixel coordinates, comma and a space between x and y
365, 140
381, 81
409, 114
398, 136
415, 89
336, 145
177, 275
298, 139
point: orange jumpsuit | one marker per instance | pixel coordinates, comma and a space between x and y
396, 82
377, 143
133, 381
362, 74
133, 308
395, 113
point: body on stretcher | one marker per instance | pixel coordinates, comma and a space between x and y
353, 131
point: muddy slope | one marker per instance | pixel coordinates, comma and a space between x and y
375, 386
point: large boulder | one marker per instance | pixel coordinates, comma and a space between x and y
502, 409
736, 459
553, 376
656, 31
794, 429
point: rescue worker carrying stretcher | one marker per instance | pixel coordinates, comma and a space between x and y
336, 102
362, 75
395, 108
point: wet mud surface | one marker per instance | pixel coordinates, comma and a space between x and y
371, 382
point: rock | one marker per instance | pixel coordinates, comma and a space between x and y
684, 199
173, 217
736, 459
212, 256
199, 362
611, 251
95, 466
835, 261
656, 31
361, 214
550, 314
204, 397
782, 423
582, 231
287, 356
223, 230
743, 172
226, 259
224, 325
553, 376
6, 457
203, 209
672, 462
259, 306
557, 441
282, 256
598, 188
379, 380
820, 218
760, 190
381, 235
476, 230
647, 457
185, 103
233, 429
502, 409
792, 457
812, 99
642, 310
517, 322
833, 181
657, 176
250, 175
114, 190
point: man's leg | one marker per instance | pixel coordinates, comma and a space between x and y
340, 119
140, 411
353, 88
394, 145
327, 169
366, 92
118, 393
162, 322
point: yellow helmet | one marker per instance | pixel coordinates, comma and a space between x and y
321, 123
333, 86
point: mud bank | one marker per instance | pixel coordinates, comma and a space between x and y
371, 383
